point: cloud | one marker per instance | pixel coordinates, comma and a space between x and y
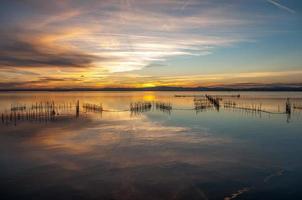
275, 3
40, 82
264, 77
14, 71
17, 53
100, 39
248, 79
110, 35
152, 65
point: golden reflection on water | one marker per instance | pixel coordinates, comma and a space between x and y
124, 152
150, 96
105, 140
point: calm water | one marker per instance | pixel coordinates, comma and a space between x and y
225, 153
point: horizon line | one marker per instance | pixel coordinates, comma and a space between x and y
168, 88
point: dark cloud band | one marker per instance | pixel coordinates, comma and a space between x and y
17, 53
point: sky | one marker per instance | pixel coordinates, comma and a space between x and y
147, 43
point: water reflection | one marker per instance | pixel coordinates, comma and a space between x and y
109, 152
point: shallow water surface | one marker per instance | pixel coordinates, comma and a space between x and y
92, 145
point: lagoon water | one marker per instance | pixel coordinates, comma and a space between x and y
225, 153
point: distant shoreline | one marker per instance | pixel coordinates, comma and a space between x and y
171, 89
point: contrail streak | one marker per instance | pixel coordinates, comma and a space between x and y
281, 6
185, 4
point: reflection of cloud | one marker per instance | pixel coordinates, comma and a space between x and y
106, 139
237, 193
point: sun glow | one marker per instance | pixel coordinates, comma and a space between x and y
136, 44
149, 96
148, 85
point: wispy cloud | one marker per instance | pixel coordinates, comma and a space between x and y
25, 54
126, 80
283, 7
105, 41
113, 36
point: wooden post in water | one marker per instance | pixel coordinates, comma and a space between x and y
78, 109
288, 109
288, 106
214, 101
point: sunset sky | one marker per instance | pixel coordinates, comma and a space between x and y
137, 43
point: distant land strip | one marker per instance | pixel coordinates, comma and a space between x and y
162, 88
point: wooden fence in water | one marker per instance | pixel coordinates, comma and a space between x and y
49, 110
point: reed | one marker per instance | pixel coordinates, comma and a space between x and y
140, 106
17, 107
27, 115
201, 104
38, 111
163, 106
250, 108
88, 107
